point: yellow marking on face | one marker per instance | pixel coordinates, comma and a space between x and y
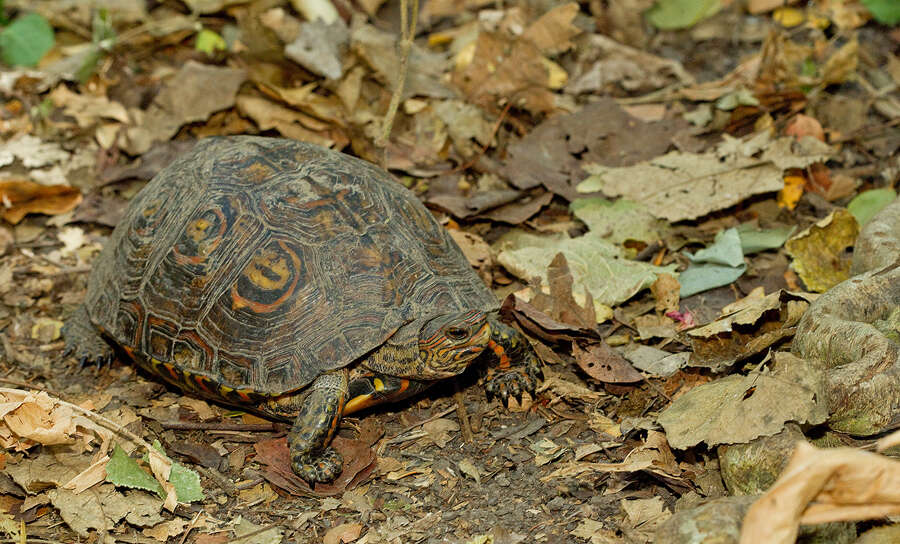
379, 385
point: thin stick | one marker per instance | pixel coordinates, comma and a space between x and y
424, 421
189, 528
464, 426
408, 28
194, 426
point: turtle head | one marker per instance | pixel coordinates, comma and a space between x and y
449, 342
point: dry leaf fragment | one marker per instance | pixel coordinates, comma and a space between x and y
19, 198
87, 110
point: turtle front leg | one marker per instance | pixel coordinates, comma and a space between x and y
503, 379
319, 413
83, 340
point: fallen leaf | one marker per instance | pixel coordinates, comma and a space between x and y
602, 363
747, 327
19, 198
194, 93
819, 252
679, 186
343, 533
597, 266
554, 153
804, 125
359, 462
619, 221
824, 486
737, 408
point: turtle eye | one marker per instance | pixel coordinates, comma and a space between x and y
456, 333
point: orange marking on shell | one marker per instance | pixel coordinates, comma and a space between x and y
201, 381
243, 394
240, 302
172, 372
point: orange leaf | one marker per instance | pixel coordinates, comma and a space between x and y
19, 198
804, 125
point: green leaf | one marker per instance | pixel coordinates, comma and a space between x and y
124, 471
703, 277
885, 11
209, 42
185, 480
754, 240
618, 221
725, 250
677, 14
26, 40
866, 204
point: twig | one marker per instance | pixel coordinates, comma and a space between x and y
464, 426
248, 427
408, 29
190, 527
254, 533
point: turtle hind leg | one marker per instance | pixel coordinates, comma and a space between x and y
319, 411
84, 342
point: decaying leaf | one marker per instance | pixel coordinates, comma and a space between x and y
739, 408
602, 363
678, 186
819, 252
194, 93
747, 326
597, 266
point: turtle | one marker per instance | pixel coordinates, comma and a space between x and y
297, 281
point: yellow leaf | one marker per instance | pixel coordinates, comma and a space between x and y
793, 190
789, 17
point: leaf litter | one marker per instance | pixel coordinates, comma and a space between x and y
589, 178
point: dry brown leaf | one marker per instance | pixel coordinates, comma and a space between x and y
600, 362
89, 477
343, 533
553, 31
87, 110
19, 198
822, 486
28, 419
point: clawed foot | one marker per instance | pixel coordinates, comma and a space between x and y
513, 382
322, 466
86, 345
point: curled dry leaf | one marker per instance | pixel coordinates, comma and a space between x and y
19, 198
28, 419
823, 486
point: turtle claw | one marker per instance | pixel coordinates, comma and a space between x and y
511, 383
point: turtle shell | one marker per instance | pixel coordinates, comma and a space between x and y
261, 263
